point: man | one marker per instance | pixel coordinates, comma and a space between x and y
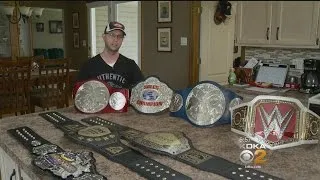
111, 66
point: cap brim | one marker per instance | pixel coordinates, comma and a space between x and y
117, 29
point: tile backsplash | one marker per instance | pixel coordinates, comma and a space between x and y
283, 55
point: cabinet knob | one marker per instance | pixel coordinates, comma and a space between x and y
277, 35
267, 34
13, 174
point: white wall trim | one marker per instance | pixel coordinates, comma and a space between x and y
98, 4
139, 34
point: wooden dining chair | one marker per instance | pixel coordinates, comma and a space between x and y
6, 58
15, 87
52, 84
34, 61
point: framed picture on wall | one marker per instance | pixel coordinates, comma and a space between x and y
75, 20
76, 40
164, 39
40, 27
55, 27
164, 11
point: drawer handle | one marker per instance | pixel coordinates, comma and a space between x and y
267, 34
13, 174
277, 35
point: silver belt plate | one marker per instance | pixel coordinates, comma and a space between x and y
92, 97
151, 96
205, 104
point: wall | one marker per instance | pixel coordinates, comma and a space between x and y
171, 67
46, 39
78, 55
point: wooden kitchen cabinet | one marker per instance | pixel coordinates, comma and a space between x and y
296, 23
253, 21
24, 176
278, 24
9, 169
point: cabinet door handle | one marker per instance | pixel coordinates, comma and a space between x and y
277, 35
267, 34
13, 174
317, 41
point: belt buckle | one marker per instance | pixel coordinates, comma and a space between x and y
96, 96
276, 122
65, 163
151, 96
205, 104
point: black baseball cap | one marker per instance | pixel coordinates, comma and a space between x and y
114, 26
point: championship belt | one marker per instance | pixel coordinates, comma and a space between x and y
206, 104
64, 164
95, 96
106, 141
151, 96
276, 122
178, 146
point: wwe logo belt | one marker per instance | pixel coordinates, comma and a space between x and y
276, 122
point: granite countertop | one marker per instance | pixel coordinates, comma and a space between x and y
300, 162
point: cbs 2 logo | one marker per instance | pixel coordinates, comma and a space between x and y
246, 156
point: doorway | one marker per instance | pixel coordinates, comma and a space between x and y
212, 51
47, 35
126, 12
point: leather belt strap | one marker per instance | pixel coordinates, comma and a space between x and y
48, 155
107, 142
191, 156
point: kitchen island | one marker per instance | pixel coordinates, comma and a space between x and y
300, 162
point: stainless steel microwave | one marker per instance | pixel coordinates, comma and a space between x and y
314, 104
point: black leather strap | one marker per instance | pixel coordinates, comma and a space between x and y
31, 140
111, 147
224, 167
141, 164
193, 157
